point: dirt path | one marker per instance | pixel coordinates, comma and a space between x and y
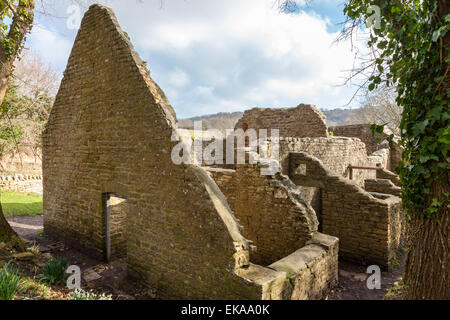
353, 282
112, 277
27, 227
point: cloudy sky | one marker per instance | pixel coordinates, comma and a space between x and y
221, 55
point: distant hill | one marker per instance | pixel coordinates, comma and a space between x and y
339, 117
227, 120
220, 121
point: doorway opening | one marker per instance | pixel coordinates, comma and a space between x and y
116, 209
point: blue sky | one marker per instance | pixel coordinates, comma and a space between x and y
222, 56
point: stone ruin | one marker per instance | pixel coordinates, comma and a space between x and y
112, 190
287, 121
364, 133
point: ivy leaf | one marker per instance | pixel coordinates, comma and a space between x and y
382, 44
419, 128
447, 18
439, 33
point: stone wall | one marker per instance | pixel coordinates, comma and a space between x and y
369, 226
311, 270
361, 131
302, 121
380, 158
110, 132
386, 174
364, 133
396, 156
306, 274
21, 183
382, 186
284, 227
270, 209
336, 153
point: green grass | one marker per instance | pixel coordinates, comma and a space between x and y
21, 204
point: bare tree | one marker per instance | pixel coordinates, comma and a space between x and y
379, 106
35, 84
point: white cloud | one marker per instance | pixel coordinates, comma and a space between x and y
178, 78
52, 46
212, 56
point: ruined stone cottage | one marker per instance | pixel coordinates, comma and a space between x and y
112, 190
301, 122
344, 190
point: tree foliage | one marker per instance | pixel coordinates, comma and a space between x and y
412, 54
16, 18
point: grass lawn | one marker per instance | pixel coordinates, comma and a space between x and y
21, 204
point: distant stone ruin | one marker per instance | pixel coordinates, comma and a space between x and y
205, 231
300, 122
364, 133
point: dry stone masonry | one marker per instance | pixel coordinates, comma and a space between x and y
21, 183
373, 147
385, 186
302, 121
370, 226
284, 229
270, 209
361, 131
23, 159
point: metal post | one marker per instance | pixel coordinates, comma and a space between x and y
107, 227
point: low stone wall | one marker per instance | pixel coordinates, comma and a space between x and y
382, 186
311, 270
369, 226
306, 274
283, 227
21, 183
386, 174
336, 153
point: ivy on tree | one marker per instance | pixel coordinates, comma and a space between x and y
413, 57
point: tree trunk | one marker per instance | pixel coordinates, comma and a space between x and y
427, 264
21, 24
5, 228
